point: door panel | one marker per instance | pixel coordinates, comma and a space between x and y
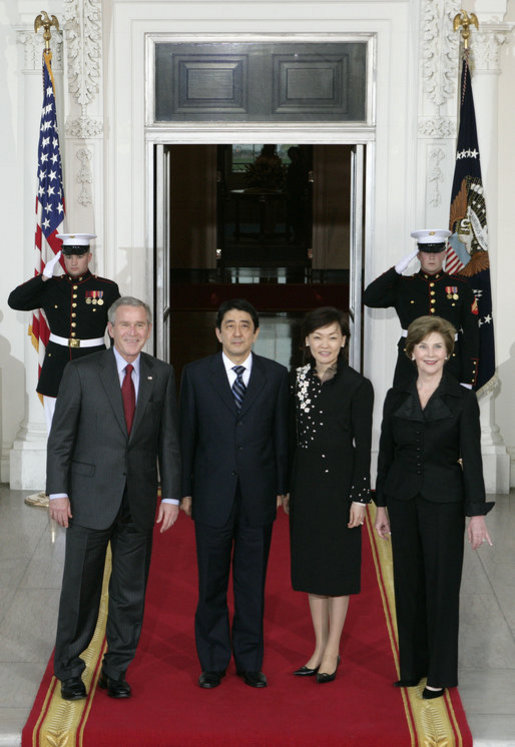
256, 82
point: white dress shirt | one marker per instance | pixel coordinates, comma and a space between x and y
231, 375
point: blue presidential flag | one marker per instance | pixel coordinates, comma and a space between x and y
468, 244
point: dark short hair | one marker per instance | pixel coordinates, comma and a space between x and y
322, 317
128, 301
241, 304
423, 326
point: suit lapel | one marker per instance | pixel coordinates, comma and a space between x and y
256, 384
219, 381
146, 384
111, 383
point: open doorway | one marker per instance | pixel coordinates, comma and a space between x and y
280, 225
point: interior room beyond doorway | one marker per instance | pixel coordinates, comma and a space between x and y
271, 223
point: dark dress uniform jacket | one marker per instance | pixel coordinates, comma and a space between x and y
71, 312
441, 294
419, 449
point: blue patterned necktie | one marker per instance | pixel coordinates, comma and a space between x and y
238, 388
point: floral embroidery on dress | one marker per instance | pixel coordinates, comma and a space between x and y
307, 389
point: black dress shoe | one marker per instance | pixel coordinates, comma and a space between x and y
305, 672
407, 683
73, 689
431, 694
253, 679
208, 680
115, 688
323, 677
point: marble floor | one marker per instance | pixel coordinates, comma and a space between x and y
30, 574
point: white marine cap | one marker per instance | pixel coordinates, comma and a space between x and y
431, 236
75, 241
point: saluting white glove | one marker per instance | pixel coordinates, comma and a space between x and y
404, 262
49, 267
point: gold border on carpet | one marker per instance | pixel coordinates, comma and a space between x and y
434, 721
61, 723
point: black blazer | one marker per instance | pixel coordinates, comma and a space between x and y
222, 447
419, 449
90, 455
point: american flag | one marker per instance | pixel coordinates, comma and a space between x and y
49, 199
467, 253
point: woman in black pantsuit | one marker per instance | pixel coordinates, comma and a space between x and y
330, 483
430, 476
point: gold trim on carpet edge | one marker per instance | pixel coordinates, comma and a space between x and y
432, 718
65, 719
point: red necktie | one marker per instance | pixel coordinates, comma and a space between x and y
128, 396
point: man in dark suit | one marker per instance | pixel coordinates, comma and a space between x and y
115, 420
233, 416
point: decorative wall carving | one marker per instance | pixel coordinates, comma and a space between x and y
83, 23
440, 49
83, 127
33, 49
486, 46
437, 127
84, 177
435, 176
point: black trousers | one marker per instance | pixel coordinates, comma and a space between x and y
81, 592
427, 543
249, 548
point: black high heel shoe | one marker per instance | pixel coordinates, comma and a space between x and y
305, 672
431, 694
323, 677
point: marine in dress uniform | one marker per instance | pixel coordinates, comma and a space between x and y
75, 305
430, 291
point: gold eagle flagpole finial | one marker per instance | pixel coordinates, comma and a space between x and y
45, 21
464, 21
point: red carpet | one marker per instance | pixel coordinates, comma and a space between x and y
361, 707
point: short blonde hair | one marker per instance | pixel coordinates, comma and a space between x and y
424, 326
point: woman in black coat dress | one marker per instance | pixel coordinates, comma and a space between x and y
330, 483
430, 476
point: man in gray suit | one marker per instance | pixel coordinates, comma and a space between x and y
115, 420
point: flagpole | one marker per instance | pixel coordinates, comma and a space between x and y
50, 206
